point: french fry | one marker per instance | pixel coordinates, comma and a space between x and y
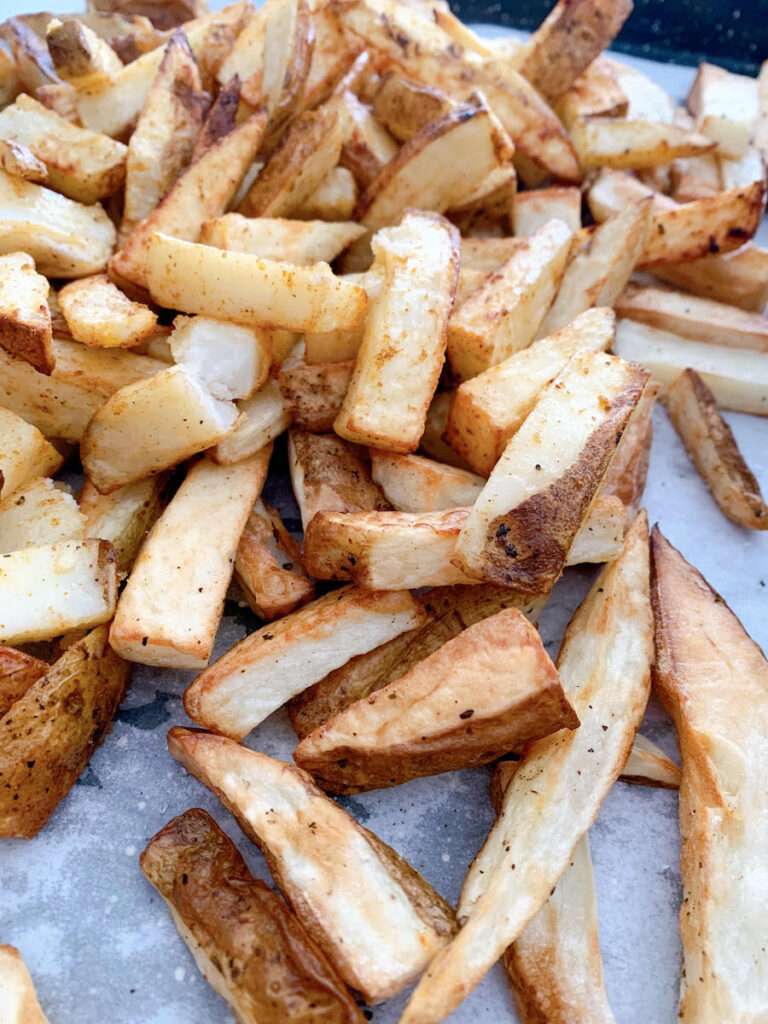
262, 418
38, 514
403, 347
434, 719
488, 409
97, 313
604, 665
188, 559
368, 146
405, 107
20, 1002
24, 453
246, 55
230, 360
79, 55
147, 427
314, 394
725, 106
340, 346
738, 378
273, 664
9, 76
412, 483
353, 875
596, 92
739, 278
64, 238
330, 475
268, 566
710, 443
601, 535
503, 315
622, 143
628, 469
535, 208
333, 56
598, 273
48, 590
19, 161
488, 254
33, 61
694, 178
18, 671
100, 370
50, 733
161, 14
302, 242
522, 525
712, 678
334, 199
648, 765
25, 320
197, 278
432, 440
123, 517
288, 44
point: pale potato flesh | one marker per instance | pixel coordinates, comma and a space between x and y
25, 319
24, 453
231, 360
262, 418
37, 514
535, 208
412, 483
302, 242
122, 517
621, 144
101, 370
99, 314
725, 106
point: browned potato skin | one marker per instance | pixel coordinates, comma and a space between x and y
404, 107
163, 14
49, 734
628, 470
33, 61
265, 959
314, 393
18, 671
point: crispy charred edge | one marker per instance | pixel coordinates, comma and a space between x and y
47, 779
186, 84
221, 118
32, 344
18, 672
526, 548
199, 871
724, 442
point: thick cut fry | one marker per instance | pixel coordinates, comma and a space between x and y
237, 286
25, 319
737, 173
522, 525
18, 671
99, 314
268, 566
18, 999
487, 410
737, 378
273, 664
302, 242
24, 453
621, 144
246, 56
330, 475
648, 765
263, 417
713, 679
568, 40
288, 43
314, 394
437, 718
48, 590
333, 57
714, 451
246, 942
49, 734
334, 199
147, 427
33, 61
725, 106
694, 178
100, 370
739, 278
373, 915
503, 315
405, 107
412, 483
535, 208
403, 347
64, 238
550, 803
171, 607
161, 145
597, 275
37, 514
628, 469
123, 517
79, 55
231, 360
690, 317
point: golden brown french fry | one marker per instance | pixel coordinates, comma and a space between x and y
273, 664
710, 443
335, 198
39, 513
534, 208
596, 92
368, 146
25, 319
628, 469
405, 106
739, 278
648, 765
20, 1003
605, 666
488, 254
33, 61
333, 55
18, 671
97, 313
432, 440
123, 517
262, 418
314, 394
412, 483
712, 677
79, 55
725, 106
230, 360
24, 453
622, 143
296, 241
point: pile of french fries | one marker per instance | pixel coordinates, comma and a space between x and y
451, 275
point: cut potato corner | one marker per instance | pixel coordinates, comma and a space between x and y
725, 106
536, 207
25, 319
24, 454
123, 517
19, 1002
262, 418
97, 313
20, 162
38, 514
230, 360
411, 483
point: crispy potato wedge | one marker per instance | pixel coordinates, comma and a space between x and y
246, 55
18, 671
24, 453
435, 718
604, 665
20, 162
231, 360
333, 56
97, 313
598, 272
738, 378
288, 43
314, 393
273, 664
237, 286
368, 146
503, 315
571, 36
595, 93
248, 945
147, 427
405, 107
34, 66
161, 14
25, 319
346, 874
64, 238
725, 106
691, 317
694, 178
488, 254
37, 514
739, 278
535, 208
403, 347
48, 590
330, 475
713, 449
334, 199
49, 734
170, 609
160, 147
412, 483
100, 370
268, 566
262, 418
302, 242
622, 143
538, 495
432, 440
628, 469
601, 535
488, 409
124, 517
712, 677
19, 1001
648, 765
80, 56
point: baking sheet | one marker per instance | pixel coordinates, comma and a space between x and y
98, 940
